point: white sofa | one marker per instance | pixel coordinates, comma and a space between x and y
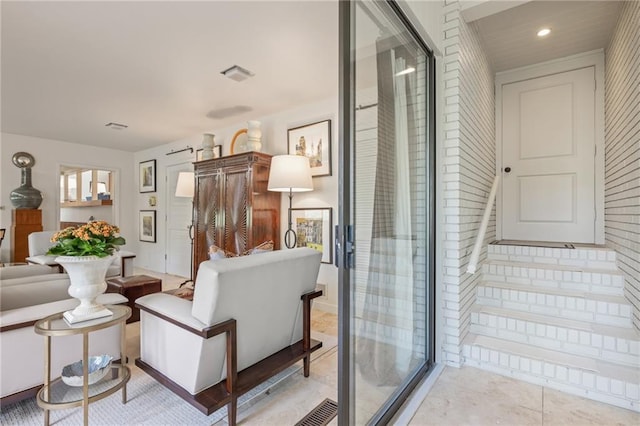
40, 243
260, 302
27, 294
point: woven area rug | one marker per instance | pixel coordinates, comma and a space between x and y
150, 403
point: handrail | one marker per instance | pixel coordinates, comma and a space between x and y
475, 254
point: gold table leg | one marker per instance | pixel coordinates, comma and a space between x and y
123, 355
47, 375
85, 379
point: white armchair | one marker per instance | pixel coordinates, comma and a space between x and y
262, 303
40, 243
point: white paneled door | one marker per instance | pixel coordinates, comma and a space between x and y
179, 211
548, 148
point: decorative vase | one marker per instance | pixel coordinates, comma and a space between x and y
254, 136
86, 274
208, 144
26, 196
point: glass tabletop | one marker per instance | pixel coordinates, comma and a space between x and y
55, 325
60, 393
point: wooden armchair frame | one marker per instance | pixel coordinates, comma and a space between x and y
237, 383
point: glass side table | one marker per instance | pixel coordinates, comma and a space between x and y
56, 394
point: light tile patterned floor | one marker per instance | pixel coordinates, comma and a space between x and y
465, 396
468, 396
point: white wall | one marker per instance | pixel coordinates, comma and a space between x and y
50, 155
274, 141
622, 149
467, 170
82, 214
429, 17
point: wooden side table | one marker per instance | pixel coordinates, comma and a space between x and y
56, 395
132, 288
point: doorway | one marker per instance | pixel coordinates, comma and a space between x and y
86, 194
385, 245
550, 152
179, 213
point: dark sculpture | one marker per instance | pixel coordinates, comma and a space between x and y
26, 196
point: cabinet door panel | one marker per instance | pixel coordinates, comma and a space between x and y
208, 221
235, 209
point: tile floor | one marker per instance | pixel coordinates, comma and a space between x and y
468, 396
464, 396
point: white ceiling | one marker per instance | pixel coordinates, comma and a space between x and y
68, 68
509, 37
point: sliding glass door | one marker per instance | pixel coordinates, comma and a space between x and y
385, 240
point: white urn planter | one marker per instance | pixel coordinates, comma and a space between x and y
87, 276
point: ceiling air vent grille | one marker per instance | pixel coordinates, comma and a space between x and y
237, 73
116, 126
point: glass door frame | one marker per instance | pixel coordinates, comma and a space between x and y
346, 197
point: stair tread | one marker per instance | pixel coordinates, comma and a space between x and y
556, 292
553, 267
540, 244
616, 371
607, 330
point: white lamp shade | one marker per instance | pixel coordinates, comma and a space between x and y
185, 186
290, 173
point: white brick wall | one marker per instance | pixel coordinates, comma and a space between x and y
467, 169
622, 149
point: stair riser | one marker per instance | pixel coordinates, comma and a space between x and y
576, 342
595, 282
588, 258
575, 308
575, 381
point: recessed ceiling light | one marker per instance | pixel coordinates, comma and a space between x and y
237, 73
544, 32
116, 126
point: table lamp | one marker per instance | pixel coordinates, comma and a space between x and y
290, 173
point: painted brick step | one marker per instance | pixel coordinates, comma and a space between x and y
597, 380
576, 305
612, 344
597, 281
586, 257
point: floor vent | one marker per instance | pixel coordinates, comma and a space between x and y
321, 415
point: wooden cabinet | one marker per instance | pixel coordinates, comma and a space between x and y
232, 207
24, 222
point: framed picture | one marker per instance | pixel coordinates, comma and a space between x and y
217, 153
148, 176
148, 226
313, 227
314, 142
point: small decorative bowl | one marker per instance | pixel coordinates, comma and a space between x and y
98, 368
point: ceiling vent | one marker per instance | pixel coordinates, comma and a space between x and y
116, 126
237, 73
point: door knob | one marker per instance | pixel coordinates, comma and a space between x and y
507, 169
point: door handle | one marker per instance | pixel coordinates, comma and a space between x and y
507, 169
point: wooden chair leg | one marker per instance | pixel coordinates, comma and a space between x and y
232, 411
306, 361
